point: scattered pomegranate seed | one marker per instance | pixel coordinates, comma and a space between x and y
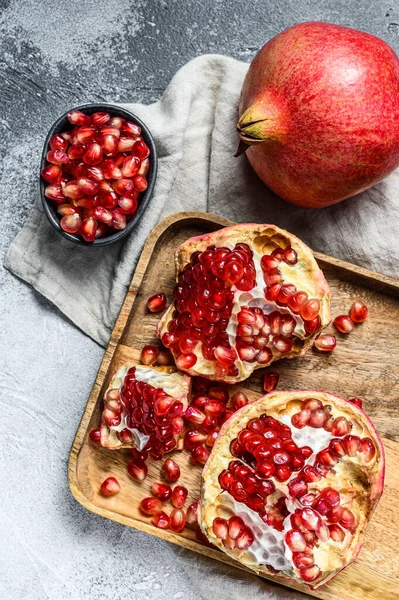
110, 486
270, 381
156, 303
359, 312
343, 323
179, 496
161, 491
161, 520
239, 400
137, 470
149, 355
326, 343
95, 435
177, 520
171, 470
192, 513
150, 505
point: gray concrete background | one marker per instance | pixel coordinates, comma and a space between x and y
55, 55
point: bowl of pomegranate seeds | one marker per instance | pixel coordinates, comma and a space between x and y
98, 171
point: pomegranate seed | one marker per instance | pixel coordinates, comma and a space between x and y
149, 355
125, 144
357, 402
200, 454
239, 400
270, 381
310, 573
156, 303
57, 142
89, 187
341, 426
57, 157
93, 154
192, 512
295, 540
76, 151
194, 415
72, 190
130, 166
186, 361
54, 192
161, 491
100, 118
71, 223
179, 496
343, 323
67, 209
171, 470
368, 449
281, 344
326, 343
336, 533
109, 144
358, 312
52, 173
137, 470
177, 520
302, 560
236, 527
140, 183
312, 326
103, 215
161, 520
144, 168
347, 520
297, 488
310, 519
76, 117
317, 418
220, 528
131, 129
141, 150
118, 219
301, 419
290, 256
150, 505
297, 301
110, 486
211, 438
88, 229
310, 309
95, 435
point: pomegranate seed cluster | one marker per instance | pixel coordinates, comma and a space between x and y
96, 173
233, 533
203, 328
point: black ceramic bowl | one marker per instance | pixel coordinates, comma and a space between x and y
50, 208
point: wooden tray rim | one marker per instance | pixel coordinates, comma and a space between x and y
389, 285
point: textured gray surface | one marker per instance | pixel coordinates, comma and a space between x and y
54, 55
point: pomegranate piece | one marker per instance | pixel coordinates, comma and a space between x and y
359, 312
326, 343
110, 486
343, 323
171, 470
156, 303
131, 402
259, 471
86, 164
220, 279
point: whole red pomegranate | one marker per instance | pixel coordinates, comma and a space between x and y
320, 113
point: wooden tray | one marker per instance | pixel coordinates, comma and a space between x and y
364, 364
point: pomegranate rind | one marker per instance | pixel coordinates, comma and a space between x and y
306, 275
175, 383
363, 483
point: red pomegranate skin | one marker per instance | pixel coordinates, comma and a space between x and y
320, 110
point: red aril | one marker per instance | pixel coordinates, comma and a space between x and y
140, 149
100, 118
343, 323
52, 173
171, 470
156, 303
161, 491
76, 117
239, 400
289, 144
103, 215
179, 496
93, 154
150, 505
137, 470
326, 343
95, 435
358, 312
130, 166
54, 192
110, 486
191, 514
140, 183
57, 142
251, 471
177, 520
161, 520
67, 209
149, 355
71, 223
88, 229
118, 219
270, 381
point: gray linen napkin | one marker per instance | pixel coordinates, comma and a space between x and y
194, 129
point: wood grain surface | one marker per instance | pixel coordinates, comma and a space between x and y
365, 364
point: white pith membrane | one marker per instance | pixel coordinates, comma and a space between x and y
175, 384
359, 484
305, 275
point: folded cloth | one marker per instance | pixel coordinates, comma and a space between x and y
194, 126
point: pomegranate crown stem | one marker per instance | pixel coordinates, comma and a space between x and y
261, 122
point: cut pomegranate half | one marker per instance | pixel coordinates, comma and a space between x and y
245, 296
141, 405
304, 487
